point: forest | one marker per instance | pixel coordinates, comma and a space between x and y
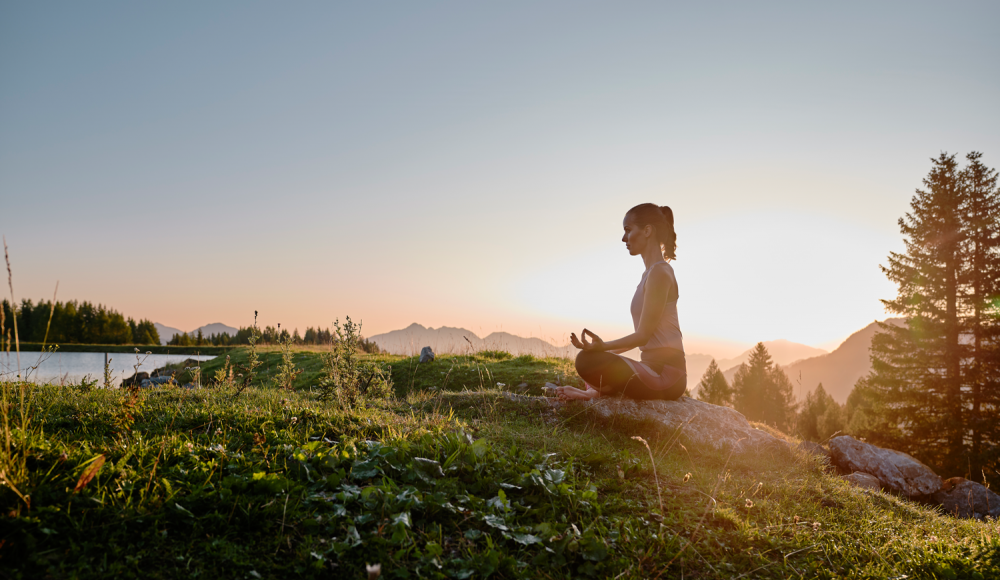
71, 322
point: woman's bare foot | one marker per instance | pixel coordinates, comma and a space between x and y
575, 394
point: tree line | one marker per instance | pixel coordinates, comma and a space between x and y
934, 388
71, 322
268, 335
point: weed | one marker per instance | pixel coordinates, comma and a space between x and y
285, 379
349, 378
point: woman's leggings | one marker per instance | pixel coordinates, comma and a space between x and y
611, 375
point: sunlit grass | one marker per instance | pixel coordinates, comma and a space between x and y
453, 477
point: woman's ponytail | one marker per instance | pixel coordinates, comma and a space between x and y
668, 237
662, 220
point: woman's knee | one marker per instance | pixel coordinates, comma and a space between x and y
585, 361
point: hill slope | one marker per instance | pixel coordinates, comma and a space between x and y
838, 370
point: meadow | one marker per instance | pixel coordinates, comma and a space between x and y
449, 471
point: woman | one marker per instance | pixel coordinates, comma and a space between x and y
662, 373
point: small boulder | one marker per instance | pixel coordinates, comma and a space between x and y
898, 472
863, 480
702, 423
967, 499
426, 355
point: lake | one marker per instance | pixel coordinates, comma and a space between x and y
71, 367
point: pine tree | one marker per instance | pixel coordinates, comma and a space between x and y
713, 387
821, 416
934, 380
981, 308
762, 391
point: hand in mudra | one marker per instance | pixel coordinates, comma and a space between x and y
581, 343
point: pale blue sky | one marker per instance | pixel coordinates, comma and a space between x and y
464, 164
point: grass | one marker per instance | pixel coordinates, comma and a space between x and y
451, 478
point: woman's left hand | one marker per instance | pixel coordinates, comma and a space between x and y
595, 341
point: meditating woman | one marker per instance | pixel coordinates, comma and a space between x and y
661, 373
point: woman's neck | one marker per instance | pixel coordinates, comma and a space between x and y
652, 256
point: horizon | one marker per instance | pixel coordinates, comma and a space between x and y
469, 166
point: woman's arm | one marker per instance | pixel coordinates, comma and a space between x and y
653, 301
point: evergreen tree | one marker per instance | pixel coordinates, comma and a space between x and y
821, 417
762, 391
713, 387
981, 279
934, 380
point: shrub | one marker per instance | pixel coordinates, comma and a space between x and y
348, 377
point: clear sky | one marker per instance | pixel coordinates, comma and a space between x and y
469, 164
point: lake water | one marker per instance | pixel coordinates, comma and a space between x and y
71, 367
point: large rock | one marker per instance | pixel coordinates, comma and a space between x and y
702, 423
864, 480
967, 499
426, 355
898, 472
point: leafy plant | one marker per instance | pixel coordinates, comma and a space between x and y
285, 379
348, 378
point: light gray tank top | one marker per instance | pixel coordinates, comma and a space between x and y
668, 331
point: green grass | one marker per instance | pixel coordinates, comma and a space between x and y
451, 479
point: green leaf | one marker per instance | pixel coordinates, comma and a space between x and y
526, 539
496, 522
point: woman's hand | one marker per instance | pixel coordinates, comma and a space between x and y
581, 343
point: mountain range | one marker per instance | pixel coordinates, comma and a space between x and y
409, 341
168, 332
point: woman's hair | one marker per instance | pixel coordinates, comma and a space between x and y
661, 218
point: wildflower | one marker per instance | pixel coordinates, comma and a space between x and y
749, 503
374, 571
687, 476
295, 420
816, 526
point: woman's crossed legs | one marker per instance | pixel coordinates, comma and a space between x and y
608, 374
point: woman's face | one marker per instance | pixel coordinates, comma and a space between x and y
635, 237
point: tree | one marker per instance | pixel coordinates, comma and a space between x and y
980, 208
934, 380
821, 416
762, 391
713, 387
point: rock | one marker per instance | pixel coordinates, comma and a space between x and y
426, 355
967, 499
898, 472
135, 379
702, 423
155, 381
864, 480
814, 449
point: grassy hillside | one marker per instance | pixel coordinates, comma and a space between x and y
450, 479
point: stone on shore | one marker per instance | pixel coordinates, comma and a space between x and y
897, 471
701, 423
967, 499
426, 355
864, 480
